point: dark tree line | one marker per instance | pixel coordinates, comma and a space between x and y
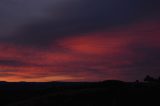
151, 79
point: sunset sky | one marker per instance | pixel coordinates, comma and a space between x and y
79, 40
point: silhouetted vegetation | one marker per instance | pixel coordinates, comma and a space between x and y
151, 79
105, 93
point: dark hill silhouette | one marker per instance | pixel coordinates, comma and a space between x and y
104, 93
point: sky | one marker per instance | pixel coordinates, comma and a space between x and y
79, 40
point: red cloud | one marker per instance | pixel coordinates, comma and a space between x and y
96, 43
85, 57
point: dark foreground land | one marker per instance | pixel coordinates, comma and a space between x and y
107, 93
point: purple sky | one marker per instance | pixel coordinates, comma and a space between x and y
79, 40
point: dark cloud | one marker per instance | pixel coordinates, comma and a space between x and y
74, 17
6, 75
12, 63
148, 57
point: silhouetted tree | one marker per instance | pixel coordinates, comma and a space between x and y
149, 79
158, 79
